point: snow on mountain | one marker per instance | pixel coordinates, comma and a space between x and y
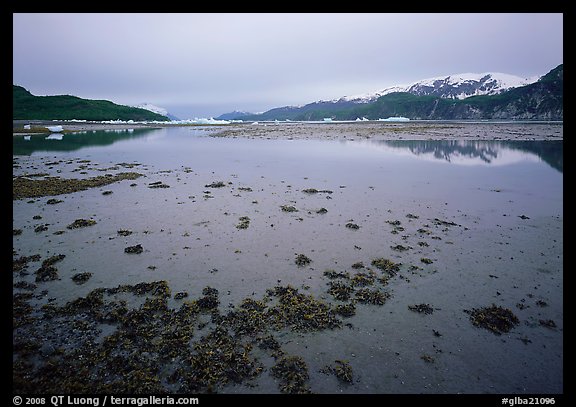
157, 109
152, 108
457, 86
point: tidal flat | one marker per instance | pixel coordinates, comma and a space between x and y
290, 259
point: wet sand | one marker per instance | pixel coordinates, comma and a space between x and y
198, 281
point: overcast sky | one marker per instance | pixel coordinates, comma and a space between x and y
203, 65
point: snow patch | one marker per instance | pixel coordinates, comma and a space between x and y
152, 108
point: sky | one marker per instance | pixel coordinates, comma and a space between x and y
203, 64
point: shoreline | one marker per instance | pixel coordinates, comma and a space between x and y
412, 130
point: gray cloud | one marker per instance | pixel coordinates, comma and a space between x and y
206, 64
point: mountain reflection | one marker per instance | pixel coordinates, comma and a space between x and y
26, 145
488, 152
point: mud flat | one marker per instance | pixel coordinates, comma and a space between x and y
189, 278
414, 130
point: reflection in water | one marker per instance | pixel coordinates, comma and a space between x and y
486, 151
551, 152
27, 145
182, 142
448, 149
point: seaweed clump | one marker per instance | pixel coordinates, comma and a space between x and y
215, 184
400, 248
81, 223
421, 308
21, 263
332, 274
151, 347
386, 265
81, 278
53, 201
427, 358
249, 318
300, 312
288, 208
180, 295
340, 290
311, 191
494, 318
302, 260
47, 272
218, 359
244, 222
342, 370
158, 184
293, 374
24, 187
41, 228
371, 296
363, 279
210, 300
346, 310
137, 249
548, 323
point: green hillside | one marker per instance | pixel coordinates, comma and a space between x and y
64, 107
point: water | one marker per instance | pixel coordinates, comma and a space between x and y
455, 171
501, 201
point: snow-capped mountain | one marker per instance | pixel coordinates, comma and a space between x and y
156, 109
440, 98
457, 86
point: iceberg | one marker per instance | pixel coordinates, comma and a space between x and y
55, 129
395, 119
194, 121
172, 122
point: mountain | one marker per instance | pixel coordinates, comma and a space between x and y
156, 109
453, 97
65, 107
235, 115
459, 86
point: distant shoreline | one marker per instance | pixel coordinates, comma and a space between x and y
39, 126
351, 130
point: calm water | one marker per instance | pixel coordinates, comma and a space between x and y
490, 254
454, 171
